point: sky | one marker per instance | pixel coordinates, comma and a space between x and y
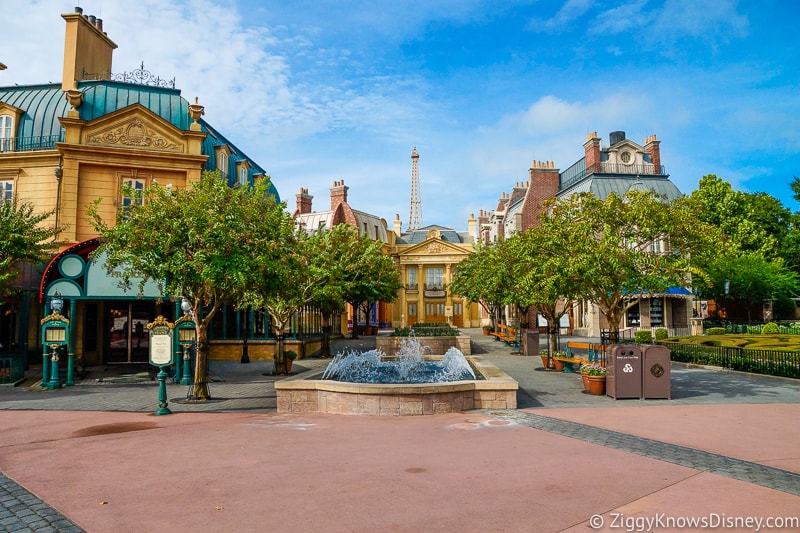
323, 91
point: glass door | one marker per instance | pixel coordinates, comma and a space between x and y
128, 338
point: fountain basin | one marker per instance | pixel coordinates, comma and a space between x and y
307, 393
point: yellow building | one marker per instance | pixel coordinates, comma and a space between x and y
62, 146
427, 258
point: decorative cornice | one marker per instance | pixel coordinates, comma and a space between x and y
134, 133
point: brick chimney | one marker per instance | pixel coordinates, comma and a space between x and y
338, 194
543, 186
651, 146
87, 49
303, 202
592, 147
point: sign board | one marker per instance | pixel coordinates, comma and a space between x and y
160, 341
563, 322
54, 330
448, 310
187, 332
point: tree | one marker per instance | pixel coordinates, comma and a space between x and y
478, 279
370, 275
752, 279
23, 238
202, 243
542, 275
624, 247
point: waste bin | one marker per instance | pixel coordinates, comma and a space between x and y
532, 342
655, 372
624, 371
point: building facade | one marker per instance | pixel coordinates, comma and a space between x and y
620, 166
63, 145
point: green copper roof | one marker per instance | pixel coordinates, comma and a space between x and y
44, 104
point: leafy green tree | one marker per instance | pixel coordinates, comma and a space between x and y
23, 238
478, 279
752, 279
370, 276
542, 275
624, 247
202, 243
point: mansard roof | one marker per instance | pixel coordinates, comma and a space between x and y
447, 234
44, 104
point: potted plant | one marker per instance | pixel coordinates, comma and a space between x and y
596, 377
559, 364
545, 355
487, 329
289, 356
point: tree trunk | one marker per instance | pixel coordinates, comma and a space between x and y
199, 390
280, 361
325, 348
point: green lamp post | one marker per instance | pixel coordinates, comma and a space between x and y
187, 338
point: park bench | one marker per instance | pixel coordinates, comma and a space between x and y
507, 334
595, 354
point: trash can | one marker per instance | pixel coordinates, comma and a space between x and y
624, 371
532, 342
655, 372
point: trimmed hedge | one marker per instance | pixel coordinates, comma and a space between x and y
715, 331
770, 328
643, 336
661, 334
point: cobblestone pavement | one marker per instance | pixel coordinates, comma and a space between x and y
766, 476
22, 511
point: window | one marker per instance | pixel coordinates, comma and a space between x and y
222, 163
412, 276
242, 176
5, 133
6, 190
435, 277
656, 312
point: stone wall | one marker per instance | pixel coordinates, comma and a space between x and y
436, 345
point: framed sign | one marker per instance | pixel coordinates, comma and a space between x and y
160, 341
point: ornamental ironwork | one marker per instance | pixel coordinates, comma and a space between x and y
141, 76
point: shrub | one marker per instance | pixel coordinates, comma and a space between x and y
661, 334
643, 336
770, 328
715, 331
290, 354
711, 342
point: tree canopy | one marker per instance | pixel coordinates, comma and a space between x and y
23, 238
202, 243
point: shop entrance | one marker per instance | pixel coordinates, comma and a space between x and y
128, 340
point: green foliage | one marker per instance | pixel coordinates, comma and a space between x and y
784, 307
593, 370
711, 342
661, 334
23, 238
290, 354
482, 278
607, 245
426, 330
207, 243
770, 328
715, 331
643, 336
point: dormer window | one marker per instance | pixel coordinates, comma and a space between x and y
6, 133
626, 157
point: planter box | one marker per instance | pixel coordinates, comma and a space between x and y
435, 345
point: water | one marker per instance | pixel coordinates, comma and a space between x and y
408, 366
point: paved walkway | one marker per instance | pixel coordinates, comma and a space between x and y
564, 461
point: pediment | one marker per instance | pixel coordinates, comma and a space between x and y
135, 127
435, 247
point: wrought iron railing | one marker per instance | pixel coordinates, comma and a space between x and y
412, 287
771, 362
30, 144
435, 286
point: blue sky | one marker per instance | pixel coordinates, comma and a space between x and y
322, 91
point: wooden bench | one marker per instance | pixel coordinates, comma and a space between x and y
506, 334
595, 355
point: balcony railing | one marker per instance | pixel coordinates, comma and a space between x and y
616, 168
30, 144
435, 287
412, 287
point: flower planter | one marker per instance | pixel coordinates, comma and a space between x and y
597, 385
559, 365
585, 379
546, 361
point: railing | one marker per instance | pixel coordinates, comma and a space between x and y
30, 144
572, 175
412, 287
435, 286
616, 168
770, 362
12, 368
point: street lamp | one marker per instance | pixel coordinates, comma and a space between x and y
57, 303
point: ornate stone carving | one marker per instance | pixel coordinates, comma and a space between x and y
134, 133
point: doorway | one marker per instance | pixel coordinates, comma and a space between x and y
128, 340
